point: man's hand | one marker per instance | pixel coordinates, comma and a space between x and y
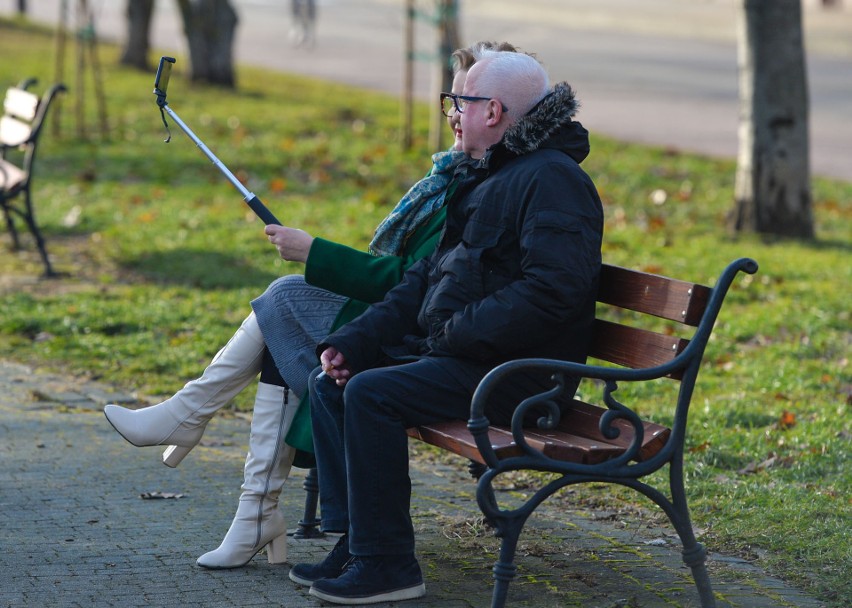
334, 365
293, 244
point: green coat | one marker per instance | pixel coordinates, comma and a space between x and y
364, 279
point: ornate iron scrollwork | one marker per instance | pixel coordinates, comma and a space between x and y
619, 411
546, 401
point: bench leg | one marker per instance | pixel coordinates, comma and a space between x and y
695, 558
477, 470
694, 554
31, 223
309, 524
10, 224
504, 569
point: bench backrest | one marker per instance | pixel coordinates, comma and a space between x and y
23, 118
650, 294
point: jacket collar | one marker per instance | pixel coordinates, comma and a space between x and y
548, 125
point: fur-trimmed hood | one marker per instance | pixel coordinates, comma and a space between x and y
549, 125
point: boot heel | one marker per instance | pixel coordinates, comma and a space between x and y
174, 454
276, 550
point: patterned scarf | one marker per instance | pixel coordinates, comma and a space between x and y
417, 206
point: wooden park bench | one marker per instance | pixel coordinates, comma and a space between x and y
590, 442
20, 127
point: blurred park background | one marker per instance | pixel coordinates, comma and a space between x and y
655, 71
158, 257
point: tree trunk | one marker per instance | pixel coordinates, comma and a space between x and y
773, 194
138, 27
448, 40
22, 7
209, 26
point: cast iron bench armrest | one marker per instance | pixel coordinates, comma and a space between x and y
479, 425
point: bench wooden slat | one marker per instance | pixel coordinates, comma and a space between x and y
20, 103
455, 437
10, 176
652, 294
13, 132
633, 347
583, 419
576, 439
570, 447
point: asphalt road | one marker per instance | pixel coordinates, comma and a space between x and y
657, 71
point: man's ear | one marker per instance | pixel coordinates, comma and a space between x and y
493, 112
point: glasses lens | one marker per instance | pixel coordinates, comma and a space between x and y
447, 105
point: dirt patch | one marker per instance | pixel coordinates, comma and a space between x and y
75, 258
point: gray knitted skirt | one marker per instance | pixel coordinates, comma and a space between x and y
294, 318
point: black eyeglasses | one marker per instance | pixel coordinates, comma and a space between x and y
451, 102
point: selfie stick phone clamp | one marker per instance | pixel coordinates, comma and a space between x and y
161, 84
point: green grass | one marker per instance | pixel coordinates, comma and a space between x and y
163, 257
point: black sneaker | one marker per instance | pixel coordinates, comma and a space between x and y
330, 567
370, 580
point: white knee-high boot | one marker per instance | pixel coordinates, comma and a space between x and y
179, 421
258, 522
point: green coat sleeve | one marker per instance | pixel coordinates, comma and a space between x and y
361, 276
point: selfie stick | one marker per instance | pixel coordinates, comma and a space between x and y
161, 84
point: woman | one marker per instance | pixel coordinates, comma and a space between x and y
278, 339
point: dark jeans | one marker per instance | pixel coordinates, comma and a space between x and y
361, 446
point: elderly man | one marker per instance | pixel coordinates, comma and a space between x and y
514, 275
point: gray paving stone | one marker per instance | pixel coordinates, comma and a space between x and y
74, 530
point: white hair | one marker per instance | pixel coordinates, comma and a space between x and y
516, 79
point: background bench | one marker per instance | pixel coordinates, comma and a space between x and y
20, 127
605, 441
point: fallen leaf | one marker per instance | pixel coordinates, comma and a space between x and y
788, 420
748, 469
768, 463
700, 448
656, 223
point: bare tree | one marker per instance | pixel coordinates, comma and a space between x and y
138, 28
773, 192
209, 26
448, 40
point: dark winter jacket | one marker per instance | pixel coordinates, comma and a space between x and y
515, 272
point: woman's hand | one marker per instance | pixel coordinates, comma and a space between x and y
292, 244
334, 365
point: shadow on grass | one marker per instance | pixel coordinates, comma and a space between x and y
200, 269
817, 244
830, 244
749, 419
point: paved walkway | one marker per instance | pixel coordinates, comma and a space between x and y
75, 530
